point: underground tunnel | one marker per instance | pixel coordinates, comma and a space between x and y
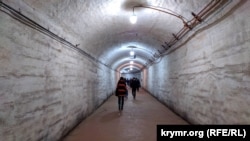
61, 60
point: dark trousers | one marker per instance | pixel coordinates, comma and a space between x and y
120, 102
134, 92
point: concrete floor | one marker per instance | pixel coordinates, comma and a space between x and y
136, 123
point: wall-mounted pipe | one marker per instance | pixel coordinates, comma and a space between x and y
198, 18
34, 25
195, 21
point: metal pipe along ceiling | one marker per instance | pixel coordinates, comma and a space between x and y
188, 26
145, 54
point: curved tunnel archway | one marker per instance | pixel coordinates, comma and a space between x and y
60, 60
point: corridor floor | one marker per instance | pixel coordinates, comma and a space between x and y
136, 123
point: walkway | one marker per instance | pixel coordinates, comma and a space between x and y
137, 122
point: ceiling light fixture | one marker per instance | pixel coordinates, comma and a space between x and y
132, 53
133, 18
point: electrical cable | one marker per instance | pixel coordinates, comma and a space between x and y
34, 25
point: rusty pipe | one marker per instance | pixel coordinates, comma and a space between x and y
194, 22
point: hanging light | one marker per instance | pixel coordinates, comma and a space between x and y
132, 53
131, 62
133, 19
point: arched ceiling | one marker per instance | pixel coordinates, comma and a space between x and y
104, 29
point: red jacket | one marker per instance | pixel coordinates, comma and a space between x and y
121, 89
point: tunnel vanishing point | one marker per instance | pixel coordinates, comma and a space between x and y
60, 60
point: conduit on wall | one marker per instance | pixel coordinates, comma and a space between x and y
192, 23
188, 26
34, 25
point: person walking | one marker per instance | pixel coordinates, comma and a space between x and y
134, 85
121, 91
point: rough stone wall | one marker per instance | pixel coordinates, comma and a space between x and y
46, 88
207, 80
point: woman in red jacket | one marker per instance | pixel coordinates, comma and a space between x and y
121, 91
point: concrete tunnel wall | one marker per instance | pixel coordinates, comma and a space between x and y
47, 88
207, 79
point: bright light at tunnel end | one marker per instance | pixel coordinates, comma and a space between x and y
133, 19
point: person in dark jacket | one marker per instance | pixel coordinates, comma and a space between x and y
134, 86
121, 91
